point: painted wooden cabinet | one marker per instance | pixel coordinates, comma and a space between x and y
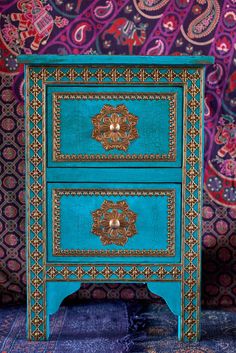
114, 148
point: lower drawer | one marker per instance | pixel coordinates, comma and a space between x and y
113, 221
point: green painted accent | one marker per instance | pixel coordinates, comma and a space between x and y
116, 59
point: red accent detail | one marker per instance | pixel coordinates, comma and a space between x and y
217, 196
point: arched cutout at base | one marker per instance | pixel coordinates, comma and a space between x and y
170, 292
55, 293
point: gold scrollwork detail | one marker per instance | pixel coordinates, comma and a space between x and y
115, 127
114, 139
56, 237
114, 222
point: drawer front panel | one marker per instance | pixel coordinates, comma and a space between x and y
114, 221
104, 124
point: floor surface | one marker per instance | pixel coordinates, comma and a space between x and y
117, 327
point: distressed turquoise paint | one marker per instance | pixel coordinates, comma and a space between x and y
170, 279
35, 292
116, 175
56, 292
153, 124
116, 59
171, 292
76, 222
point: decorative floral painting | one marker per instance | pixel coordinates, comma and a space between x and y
130, 27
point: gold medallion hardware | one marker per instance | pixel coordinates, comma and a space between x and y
115, 127
114, 222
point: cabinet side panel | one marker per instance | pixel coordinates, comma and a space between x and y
35, 189
192, 199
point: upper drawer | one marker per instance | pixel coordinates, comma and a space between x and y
93, 125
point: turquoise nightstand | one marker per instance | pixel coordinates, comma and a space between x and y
114, 179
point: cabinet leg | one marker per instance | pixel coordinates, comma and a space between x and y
39, 311
187, 309
37, 323
47, 326
56, 292
180, 328
188, 321
170, 292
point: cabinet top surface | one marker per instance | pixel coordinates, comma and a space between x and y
116, 59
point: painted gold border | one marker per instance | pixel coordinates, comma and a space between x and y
56, 236
58, 156
191, 219
36, 206
113, 272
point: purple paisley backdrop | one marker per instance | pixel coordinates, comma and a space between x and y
140, 27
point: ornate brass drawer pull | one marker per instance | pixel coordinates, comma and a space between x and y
115, 127
114, 222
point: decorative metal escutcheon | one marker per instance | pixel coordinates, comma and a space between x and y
115, 127
114, 223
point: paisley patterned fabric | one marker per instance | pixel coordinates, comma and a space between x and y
132, 27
